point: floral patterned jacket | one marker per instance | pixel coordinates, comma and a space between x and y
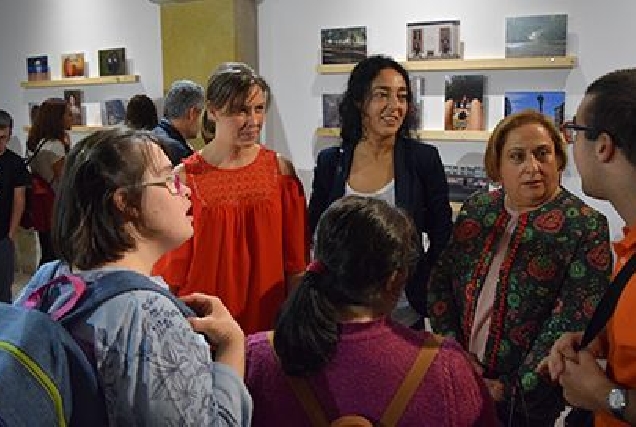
555, 272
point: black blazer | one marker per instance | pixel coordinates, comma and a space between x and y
420, 189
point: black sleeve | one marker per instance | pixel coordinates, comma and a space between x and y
22, 176
324, 172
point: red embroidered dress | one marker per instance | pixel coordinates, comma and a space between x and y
250, 230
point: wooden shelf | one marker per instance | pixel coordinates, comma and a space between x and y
81, 81
556, 62
81, 129
427, 135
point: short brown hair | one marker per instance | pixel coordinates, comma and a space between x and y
497, 140
88, 228
230, 85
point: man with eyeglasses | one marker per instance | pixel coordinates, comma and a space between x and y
604, 137
182, 119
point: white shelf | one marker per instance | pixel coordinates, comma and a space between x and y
426, 135
555, 62
80, 81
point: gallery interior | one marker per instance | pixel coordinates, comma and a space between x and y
166, 40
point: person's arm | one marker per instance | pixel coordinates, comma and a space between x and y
19, 201
439, 215
585, 282
295, 228
442, 310
320, 188
155, 370
219, 326
586, 386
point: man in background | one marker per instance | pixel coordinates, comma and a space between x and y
182, 119
14, 178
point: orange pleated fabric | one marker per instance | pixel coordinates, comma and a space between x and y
250, 230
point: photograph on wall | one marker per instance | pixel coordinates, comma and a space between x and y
38, 68
552, 104
464, 102
330, 113
112, 62
73, 65
114, 112
74, 99
465, 180
540, 35
433, 40
417, 88
343, 45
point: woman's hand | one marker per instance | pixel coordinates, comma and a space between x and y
218, 325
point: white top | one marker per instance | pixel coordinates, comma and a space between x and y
386, 193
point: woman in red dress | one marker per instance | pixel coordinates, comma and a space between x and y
250, 242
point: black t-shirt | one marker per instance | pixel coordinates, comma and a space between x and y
13, 174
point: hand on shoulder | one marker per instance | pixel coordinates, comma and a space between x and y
285, 166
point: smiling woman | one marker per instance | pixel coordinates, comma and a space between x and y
525, 264
378, 159
249, 212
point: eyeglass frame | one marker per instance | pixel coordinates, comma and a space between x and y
572, 126
177, 184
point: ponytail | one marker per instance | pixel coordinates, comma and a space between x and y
307, 330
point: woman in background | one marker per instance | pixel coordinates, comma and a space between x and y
336, 336
141, 113
47, 143
250, 240
378, 159
526, 263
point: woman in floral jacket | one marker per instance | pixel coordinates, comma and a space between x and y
525, 264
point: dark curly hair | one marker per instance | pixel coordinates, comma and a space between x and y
357, 94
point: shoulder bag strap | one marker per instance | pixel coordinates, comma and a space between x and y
411, 382
607, 305
305, 395
35, 152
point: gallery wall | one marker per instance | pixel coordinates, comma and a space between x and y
289, 50
46, 27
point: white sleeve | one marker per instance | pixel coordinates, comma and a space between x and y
155, 370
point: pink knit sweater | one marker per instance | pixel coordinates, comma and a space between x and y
369, 364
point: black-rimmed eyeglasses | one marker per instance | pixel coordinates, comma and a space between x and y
571, 129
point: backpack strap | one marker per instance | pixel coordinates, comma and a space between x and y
607, 305
112, 284
411, 382
400, 400
305, 395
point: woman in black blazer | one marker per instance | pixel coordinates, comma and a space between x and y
378, 159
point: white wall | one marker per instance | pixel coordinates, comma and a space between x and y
49, 27
599, 34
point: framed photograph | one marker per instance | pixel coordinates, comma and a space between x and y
38, 68
114, 112
464, 180
112, 62
73, 65
552, 104
330, 113
464, 102
74, 99
433, 40
540, 35
343, 45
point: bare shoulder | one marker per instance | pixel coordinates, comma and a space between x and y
285, 166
